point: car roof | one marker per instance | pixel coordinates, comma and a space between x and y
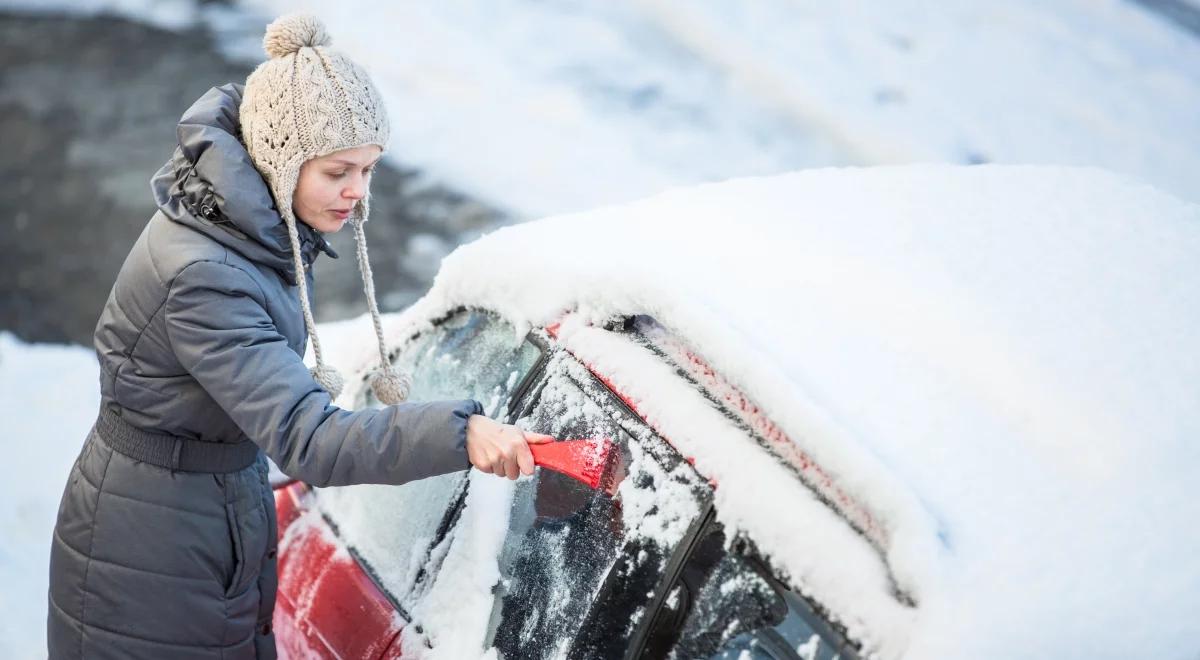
999, 361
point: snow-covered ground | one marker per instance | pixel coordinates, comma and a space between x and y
49, 397
550, 107
543, 108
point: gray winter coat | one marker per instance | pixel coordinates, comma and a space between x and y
202, 339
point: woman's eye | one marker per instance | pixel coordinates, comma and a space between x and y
368, 170
338, 175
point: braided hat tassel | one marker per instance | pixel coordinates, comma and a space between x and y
389, 384
327, 376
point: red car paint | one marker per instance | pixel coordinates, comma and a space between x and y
326, 606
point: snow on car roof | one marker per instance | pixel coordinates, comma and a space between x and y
1001, 361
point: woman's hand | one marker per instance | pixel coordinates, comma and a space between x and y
501, 449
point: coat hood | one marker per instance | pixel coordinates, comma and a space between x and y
211, 185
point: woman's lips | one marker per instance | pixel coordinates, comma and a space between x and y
341, 215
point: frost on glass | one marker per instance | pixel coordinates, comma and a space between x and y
392, 528
579, 566
733, 611
471, 355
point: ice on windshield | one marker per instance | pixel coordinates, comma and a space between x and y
471, 355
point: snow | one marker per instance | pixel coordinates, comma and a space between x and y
454, 612
953, 345
574, 551
841, 571
1062, 345
659, 515
167, 14
542, 108
548, 107
49, 397
999, 362
808, 650
391, 527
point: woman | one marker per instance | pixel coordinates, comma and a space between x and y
165, 540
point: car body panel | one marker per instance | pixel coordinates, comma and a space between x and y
327, 604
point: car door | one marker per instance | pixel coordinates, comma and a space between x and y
581, 569
351, 572
727, 602
645, 571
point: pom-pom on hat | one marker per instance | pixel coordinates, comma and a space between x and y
304, 102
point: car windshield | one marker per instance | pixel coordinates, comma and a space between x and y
579, 566
472, 354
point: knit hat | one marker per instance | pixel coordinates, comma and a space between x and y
308, 101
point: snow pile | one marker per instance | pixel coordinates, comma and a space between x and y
49, 397
822, 555
454, 613
1001, 362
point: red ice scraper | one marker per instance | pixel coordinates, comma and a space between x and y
593, 461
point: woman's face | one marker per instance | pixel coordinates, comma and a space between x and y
331, 185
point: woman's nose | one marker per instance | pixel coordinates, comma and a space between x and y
357, 189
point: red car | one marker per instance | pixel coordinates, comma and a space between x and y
904, 412
640, 569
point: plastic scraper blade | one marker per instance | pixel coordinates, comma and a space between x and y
591, 461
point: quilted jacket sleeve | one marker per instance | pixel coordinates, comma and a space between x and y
220, 331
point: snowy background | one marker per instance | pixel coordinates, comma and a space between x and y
529, 108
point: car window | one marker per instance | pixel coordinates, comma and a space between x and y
579, 566
390, 529
727, 604
470, 355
